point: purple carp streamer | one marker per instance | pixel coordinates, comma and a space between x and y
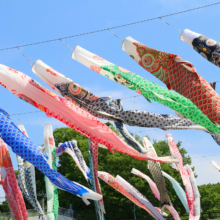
110, 180
99, 107
192, 178
206, 47
156, 192
184, 175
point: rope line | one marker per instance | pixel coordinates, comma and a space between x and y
108, 29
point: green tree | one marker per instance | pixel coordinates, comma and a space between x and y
116, 205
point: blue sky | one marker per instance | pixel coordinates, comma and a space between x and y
24, 22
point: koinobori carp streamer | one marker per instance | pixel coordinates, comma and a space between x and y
179, 75
98, 106
179, 191
26, 179
110, 180
26, 149
51, 190
156, 192
206, 47
142, 86
184, 175
76, 118
192, 178
10, 185
156, 172
214, 164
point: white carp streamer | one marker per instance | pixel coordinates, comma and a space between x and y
197, 207
184, 175
214, 164
156, 192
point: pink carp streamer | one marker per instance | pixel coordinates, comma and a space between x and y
214, 164
110, 180
10, 185
192, 178
184, 175
156, 192
76, 118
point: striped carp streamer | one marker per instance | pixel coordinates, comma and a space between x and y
98, 106
25, 148
192, 178
179, 75
206, 47
156, 192
10, 185
76, 118
26, 179
51, 190
142, 86
95, 186
179, 191
184, 175
156, 172
214, 164
135, 197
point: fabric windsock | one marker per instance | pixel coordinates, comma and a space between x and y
150, 90
9, 183
214, 164
163, 214
179, 191
72, 149
197, 207
178, 75
51, 190
76, 118
156, 172
137, 195
184, 175
99, 106
206, 47
26, 179
110, 180
26, 149
95, 186
156, 192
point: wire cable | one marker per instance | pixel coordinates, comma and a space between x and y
110, 28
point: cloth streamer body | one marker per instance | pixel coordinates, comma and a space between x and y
206, 47
97, 106
184, 175
26, 179
76, 118
25, 148
192, 178
214, 164
179, 75
10, 185
95, 186
110, 180
51, 190
156, 192
71, 148
179, 191
156, 172
148, 89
